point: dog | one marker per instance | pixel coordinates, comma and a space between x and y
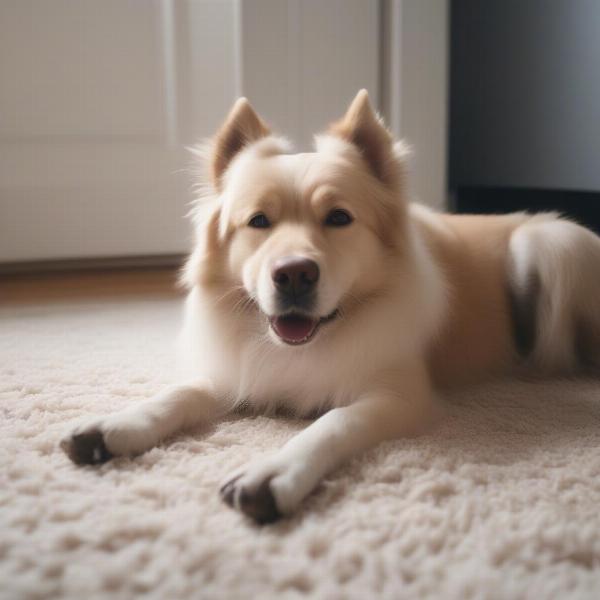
317, 287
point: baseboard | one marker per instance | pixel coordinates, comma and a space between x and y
582, 206
93, 264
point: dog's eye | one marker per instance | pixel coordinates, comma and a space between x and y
259, 221
338, 218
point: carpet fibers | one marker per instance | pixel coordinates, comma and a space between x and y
502, 500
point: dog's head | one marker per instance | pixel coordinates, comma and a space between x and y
308, 236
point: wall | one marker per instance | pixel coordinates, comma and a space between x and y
415, 89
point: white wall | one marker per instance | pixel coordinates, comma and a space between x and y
302, 61
99, 98
415, 52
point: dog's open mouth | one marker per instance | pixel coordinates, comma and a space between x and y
296, 329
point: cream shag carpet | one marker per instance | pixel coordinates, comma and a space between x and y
501, 501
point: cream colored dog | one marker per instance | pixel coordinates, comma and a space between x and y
316, 286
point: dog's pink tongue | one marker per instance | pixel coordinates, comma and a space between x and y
293, 328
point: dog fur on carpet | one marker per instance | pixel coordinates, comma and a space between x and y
501, 500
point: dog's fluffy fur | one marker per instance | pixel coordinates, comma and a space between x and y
407, 302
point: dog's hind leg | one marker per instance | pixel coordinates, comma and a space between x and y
555, 285
141, 426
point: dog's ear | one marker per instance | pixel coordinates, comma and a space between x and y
242, 127
363, 128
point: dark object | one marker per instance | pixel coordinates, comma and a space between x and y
583, 207
525, 107
87, 448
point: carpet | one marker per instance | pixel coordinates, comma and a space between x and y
501, 500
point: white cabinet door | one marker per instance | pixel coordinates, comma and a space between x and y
97, 100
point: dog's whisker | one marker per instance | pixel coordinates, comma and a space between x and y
242, 305
223, 297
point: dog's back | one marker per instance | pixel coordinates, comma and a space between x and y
522, 290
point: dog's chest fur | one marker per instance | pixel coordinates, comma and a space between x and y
345, 361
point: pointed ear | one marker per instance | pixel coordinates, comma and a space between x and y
363, 128
242, 127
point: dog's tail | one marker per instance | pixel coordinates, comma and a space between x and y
555, 285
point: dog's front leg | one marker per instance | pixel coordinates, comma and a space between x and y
141, 426
276, 485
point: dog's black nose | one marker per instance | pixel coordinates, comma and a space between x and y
295, 275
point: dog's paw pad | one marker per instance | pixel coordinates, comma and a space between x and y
258, 504
86, 448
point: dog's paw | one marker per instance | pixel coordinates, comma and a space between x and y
86, 447
256, 502
126, 433
270, 489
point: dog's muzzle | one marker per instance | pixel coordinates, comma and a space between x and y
295, 280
